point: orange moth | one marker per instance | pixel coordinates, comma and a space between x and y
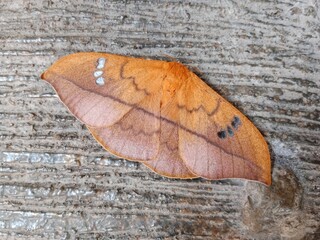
161, 114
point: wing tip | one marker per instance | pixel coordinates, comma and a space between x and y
44, 76
268, 180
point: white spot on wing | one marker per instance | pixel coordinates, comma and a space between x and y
97, 73
100, 81
101, 62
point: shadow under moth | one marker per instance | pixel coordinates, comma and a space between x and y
160, 114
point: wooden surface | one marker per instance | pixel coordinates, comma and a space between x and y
57, 182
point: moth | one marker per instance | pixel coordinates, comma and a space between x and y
160, 114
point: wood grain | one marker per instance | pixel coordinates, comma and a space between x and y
57, 182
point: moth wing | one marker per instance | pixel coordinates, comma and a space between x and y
124, 109
216, 140
127, 82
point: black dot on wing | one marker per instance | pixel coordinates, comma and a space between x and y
222, 134
230, 131
236, 122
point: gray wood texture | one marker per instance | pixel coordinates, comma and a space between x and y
56, 182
